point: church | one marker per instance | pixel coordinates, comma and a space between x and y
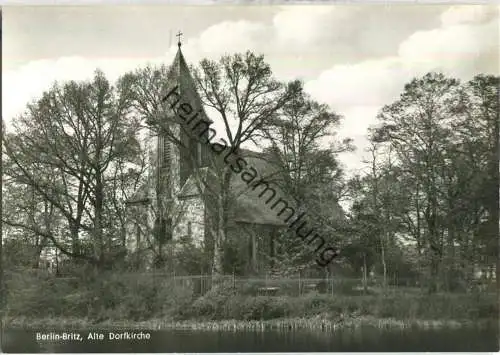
173, 205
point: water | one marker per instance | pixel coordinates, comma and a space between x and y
359, 340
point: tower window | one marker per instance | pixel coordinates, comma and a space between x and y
166, 153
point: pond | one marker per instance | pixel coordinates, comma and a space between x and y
346, 340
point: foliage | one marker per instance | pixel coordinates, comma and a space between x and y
100, 297
68, 153
191, 259
400, 306
433, 159
311, 174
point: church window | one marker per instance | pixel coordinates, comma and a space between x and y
200, 159
166, 153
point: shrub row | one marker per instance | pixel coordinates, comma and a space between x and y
105, 297
115, 298
218, 306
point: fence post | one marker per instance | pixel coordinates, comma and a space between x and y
327, 283
300, 288
234, 281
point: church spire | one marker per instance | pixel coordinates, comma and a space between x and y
181, 87
186, 116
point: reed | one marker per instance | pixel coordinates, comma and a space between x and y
320, 322
315, 323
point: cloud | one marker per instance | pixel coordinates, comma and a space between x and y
454, 48
301, 25
281, 35
29, 81
299, 38
464, 45
353, 85
225, 38
463, 14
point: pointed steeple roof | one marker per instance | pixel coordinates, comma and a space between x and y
182, 82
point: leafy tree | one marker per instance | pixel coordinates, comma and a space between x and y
65, 148
443, 137
308, 173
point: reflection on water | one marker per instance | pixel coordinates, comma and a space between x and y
362, 339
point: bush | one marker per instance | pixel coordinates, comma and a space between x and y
37, 295
110, 296
141, 298
118, 297
211, 304
260, 308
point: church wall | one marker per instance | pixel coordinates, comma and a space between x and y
192, 220
134, 226
139, 224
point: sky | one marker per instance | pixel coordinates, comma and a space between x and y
355, 58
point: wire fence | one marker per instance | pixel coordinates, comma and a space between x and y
263, 285
274, 286
296, 286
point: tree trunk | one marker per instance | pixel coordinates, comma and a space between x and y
98, 206
75, 242
434, 281
365, 275
419, 237
37, 253
254, 254
384, 266
219, 239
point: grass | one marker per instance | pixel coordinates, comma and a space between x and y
109, 301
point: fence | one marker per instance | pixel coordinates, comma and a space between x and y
264, 285
290, 286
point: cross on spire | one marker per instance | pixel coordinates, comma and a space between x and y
178, 35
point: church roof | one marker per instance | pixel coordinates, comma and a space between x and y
248, 206
180, 76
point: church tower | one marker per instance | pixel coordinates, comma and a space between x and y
180, 149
